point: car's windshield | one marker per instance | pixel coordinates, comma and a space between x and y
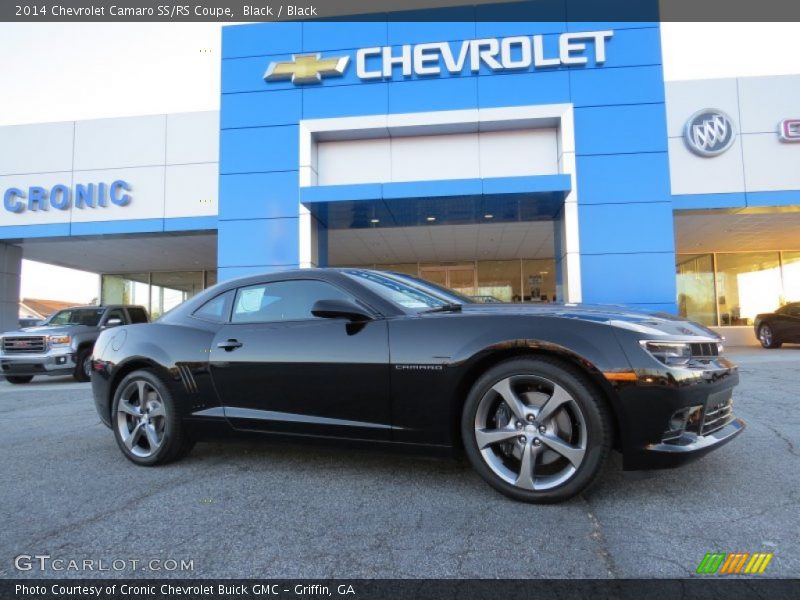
76, 316
407, 291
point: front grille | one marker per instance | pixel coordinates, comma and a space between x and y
704, 350
717, 415
24, 345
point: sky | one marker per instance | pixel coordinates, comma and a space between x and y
65, 72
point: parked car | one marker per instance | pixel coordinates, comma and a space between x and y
535, 394
776, 328
29, 322
63, 344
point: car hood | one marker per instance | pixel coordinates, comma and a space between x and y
55, 330
641, 321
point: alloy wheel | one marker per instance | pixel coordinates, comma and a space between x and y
531, 432
765, 335
141, 418
87, 366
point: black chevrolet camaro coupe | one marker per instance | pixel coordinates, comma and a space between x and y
536, 396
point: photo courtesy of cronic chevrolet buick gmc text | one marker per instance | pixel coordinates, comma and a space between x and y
535, 395
63, 344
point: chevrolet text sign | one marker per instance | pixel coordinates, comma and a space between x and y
510, 53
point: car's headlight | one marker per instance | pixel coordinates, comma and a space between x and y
673, 354
59, 340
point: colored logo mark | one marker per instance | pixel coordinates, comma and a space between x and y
306, 68
734, 563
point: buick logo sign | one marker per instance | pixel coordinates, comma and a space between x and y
709, 132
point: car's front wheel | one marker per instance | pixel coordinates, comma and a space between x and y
147, 423
535, 430
767, 337
17, 379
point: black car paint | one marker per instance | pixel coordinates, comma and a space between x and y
402, 377
785, 323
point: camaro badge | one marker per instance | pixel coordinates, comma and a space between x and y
307, 68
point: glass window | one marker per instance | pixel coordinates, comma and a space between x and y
217, 309
137, 314
791, 276
282, 300
748, 283
77, 316
130, 288
405, 291
404, 268
168, 290
695, 282
539, 280
499, 280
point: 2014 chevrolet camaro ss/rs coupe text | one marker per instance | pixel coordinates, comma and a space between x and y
536, 395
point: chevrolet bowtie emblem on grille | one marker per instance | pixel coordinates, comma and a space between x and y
307, 68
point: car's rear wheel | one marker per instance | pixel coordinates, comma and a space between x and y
83, 367
535, 430
147, 423
767, 337
17, 379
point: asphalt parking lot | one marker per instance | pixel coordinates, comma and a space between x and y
278, 510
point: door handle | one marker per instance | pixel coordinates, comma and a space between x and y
230, 345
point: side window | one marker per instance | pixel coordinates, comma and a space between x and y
216, 309
137, 314
116, 313
282, 300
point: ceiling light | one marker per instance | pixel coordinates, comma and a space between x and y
374, 220
488, 216
430, 219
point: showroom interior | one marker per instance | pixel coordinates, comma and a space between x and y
504, 178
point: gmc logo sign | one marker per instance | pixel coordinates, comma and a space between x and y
789, 130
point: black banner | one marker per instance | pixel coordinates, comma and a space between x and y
230, 11
397, 589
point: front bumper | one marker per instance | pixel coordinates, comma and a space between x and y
52, 363
647, 406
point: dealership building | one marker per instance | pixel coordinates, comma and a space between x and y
527, 162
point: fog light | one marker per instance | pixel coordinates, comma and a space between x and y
60, 360
677, 422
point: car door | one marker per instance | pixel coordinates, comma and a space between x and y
791, 323
277, 367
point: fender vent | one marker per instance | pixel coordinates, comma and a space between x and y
187, 378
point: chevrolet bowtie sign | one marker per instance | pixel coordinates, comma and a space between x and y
510, 53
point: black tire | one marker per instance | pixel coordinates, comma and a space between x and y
767, 337
19, 379
598, 429
83, 366
176, 441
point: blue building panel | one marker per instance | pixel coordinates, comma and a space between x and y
258, 195
451, 93
259, 149
522, 89
636, 278
259, 109
261, 39
440, 25
625, 228
620, 129
621, 85
326, 36
258, 242
346, 101
621, 178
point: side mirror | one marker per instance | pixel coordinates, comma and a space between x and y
339, 309
114, 322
